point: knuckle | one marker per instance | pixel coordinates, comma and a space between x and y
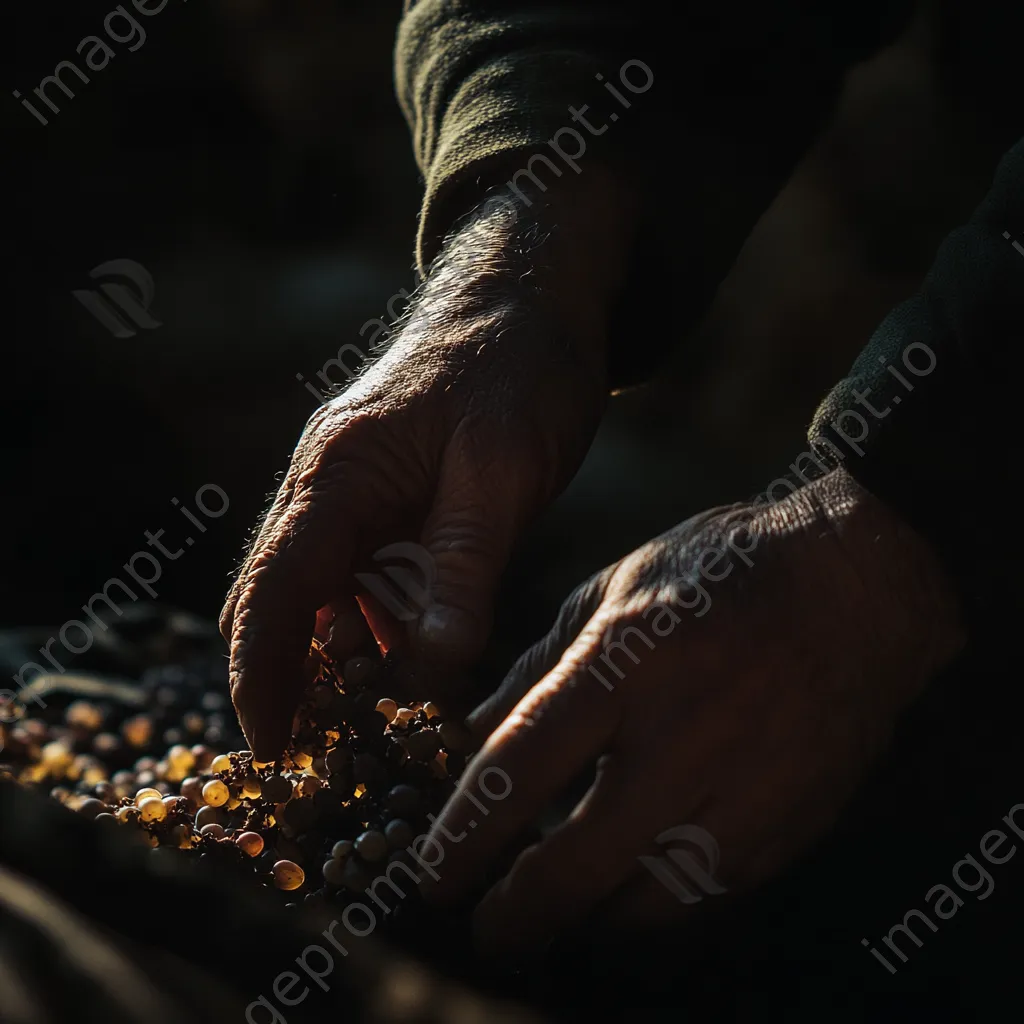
465, 534
582, 604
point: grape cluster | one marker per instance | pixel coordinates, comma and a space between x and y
346, 799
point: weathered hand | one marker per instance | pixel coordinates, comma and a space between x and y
737, 674
477, 415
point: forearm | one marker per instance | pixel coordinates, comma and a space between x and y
508, 91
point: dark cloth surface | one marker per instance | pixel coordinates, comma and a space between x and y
97, 928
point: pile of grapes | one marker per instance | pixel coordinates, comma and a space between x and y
347, 799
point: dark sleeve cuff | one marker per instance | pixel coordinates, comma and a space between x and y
482, 82
924, 418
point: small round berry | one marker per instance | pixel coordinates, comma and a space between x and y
454, 736
388, 708
404, 799
341, 849
252, 788
334, 873
152, 809
371, 845
212, 829
221, 763
208, 816
192, 789
399, 834
137, 730
180, 757
106, 792
301, 815
91, 807
106, 745
215, 793
250, 843
338, 759
148, 793
175, 804
301, 758
57, 756
181, 837
203, 755
423, 745
307, 786
277, 789
193, 722
127, 815
288, 875
83, 714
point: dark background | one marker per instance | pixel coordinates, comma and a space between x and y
252, 157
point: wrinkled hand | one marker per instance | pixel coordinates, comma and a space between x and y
767, 653
476, 416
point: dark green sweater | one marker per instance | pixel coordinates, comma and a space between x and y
723, 100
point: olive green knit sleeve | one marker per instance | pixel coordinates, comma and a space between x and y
478, 81
926, 418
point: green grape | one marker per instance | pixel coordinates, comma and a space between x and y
250, 843
215, 793
152, 809
288, 875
